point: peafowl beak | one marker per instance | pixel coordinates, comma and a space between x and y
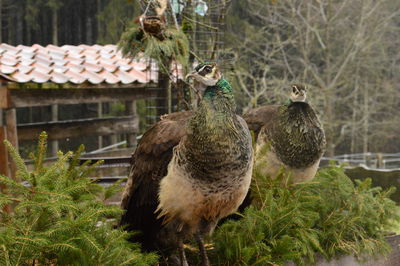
197, 88
190, 75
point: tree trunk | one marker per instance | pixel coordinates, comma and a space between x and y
10, 22
19, 26
353, 126
98, 23
354, 114
54, 26
330, 90
366, 121
88, 23
1, 21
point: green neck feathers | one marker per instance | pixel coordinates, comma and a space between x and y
216, 110
222, 87
288, 101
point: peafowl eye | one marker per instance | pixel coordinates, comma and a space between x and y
206, 73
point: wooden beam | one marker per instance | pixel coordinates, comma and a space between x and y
85, 85
82, 127
41, 97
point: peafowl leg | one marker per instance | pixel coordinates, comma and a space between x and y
182, 255
203, 253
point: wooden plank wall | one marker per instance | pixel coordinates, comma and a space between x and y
79, 127
12, 97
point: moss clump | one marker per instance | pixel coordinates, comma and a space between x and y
59, 217
330, 216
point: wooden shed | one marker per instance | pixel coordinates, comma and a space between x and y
51, 76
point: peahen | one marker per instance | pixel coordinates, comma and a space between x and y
289, 136
189, 170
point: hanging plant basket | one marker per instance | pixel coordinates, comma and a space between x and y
156, 40
154, 26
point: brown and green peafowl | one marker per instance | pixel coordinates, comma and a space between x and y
289, 136
189, 170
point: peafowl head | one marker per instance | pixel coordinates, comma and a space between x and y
205, 75
299, 93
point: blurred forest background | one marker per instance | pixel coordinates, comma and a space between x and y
345, 51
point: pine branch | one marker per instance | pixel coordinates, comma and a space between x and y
330, 216
59, 218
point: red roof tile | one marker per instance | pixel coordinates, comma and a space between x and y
76, 64
7, 69
110, 78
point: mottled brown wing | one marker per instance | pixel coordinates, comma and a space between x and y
177, 116
261, 117
257, 119
149, 165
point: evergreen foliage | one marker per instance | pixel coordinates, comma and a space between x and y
59, 216
173, 45
330, 216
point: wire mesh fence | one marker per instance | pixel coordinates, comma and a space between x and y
204, 24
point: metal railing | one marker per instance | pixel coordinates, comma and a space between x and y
382, 161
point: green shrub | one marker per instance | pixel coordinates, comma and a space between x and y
59, 216
330, 216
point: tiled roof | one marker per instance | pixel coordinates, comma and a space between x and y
95, 64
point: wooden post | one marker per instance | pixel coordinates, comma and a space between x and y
3, 150
4, 164
380, 162
99, 115
113, 140
54, 117
130, 109
12, 137
113, 137
3, 159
